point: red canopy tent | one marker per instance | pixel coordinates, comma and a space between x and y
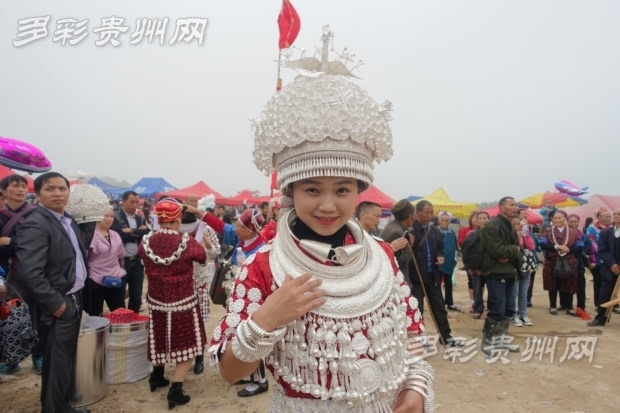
533, 217
200, 189
5, 171
243, 197
373, 194
259, 200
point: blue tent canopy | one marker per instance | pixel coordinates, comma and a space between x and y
149, 187
112, 191
412, 198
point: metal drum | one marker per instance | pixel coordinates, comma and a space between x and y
90, 371
127, 351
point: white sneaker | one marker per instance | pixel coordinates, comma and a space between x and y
526, 321
516, 321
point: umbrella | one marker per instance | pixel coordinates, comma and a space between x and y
559, 200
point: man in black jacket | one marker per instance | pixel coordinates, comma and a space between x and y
501, 259
52, 269
609, 251
428, 253
131, 228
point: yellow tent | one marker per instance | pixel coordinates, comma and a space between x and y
442, 202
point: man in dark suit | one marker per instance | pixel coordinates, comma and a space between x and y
609, 251
428, 253
131, 228
52, 270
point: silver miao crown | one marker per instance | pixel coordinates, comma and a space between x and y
322, 124
87, 203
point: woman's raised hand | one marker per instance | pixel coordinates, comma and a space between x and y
289, 302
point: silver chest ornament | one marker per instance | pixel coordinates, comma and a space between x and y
353, 347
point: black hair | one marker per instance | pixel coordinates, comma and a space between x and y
188, 218
422, 204
7, 180
365, 206
504, 200
42, 179
127, 194
264, 204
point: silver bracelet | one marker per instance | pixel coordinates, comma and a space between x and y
420, 378
427, 393
273, 337
246, 347
252, 343
242, 353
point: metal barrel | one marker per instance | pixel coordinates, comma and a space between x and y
91, 370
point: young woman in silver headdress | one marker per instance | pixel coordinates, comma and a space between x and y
324, 304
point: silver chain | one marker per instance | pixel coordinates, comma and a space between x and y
165, 261
555, 241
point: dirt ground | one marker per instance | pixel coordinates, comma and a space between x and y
472, 383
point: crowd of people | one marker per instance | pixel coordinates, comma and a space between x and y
179, 246
502, 254
332, 307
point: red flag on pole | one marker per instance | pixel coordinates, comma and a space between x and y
289, 24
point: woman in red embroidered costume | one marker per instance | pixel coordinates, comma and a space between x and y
176, 329
324, 305
560, 241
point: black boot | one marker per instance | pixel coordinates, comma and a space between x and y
157, 378
176, 395
488, 332
502, 330
199, 367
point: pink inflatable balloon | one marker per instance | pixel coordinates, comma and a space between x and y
568, 188
22, 156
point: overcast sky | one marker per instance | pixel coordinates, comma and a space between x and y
490, 97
